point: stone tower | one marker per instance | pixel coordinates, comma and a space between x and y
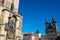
51, 30
10, 20
9, 2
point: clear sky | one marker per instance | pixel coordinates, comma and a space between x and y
36, 11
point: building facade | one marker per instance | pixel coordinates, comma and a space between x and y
37, 35
32, 36
10, 20
51, 30
28, 36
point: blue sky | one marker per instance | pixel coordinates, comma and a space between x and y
36, 11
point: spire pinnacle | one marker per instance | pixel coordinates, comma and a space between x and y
53, 20
37, 31
47, 21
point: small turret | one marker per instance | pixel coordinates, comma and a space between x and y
54, 24
37, 35
47, 24
37, 32
47, 21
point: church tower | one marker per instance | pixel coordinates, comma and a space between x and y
54, 24
16, 5
51, 30
47, 25
8, 3
10, 20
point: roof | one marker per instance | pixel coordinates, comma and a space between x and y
28, 34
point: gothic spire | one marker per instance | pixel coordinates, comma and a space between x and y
37, 31
53, 20
47, 21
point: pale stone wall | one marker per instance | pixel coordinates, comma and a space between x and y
2, 31
19, 22
7, 3
4, 19
18, 33
19, 27
16, 5
0, 9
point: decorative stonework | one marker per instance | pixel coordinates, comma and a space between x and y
9, 23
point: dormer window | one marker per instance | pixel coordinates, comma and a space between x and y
2, 1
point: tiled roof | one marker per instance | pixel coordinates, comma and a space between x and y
28, 34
